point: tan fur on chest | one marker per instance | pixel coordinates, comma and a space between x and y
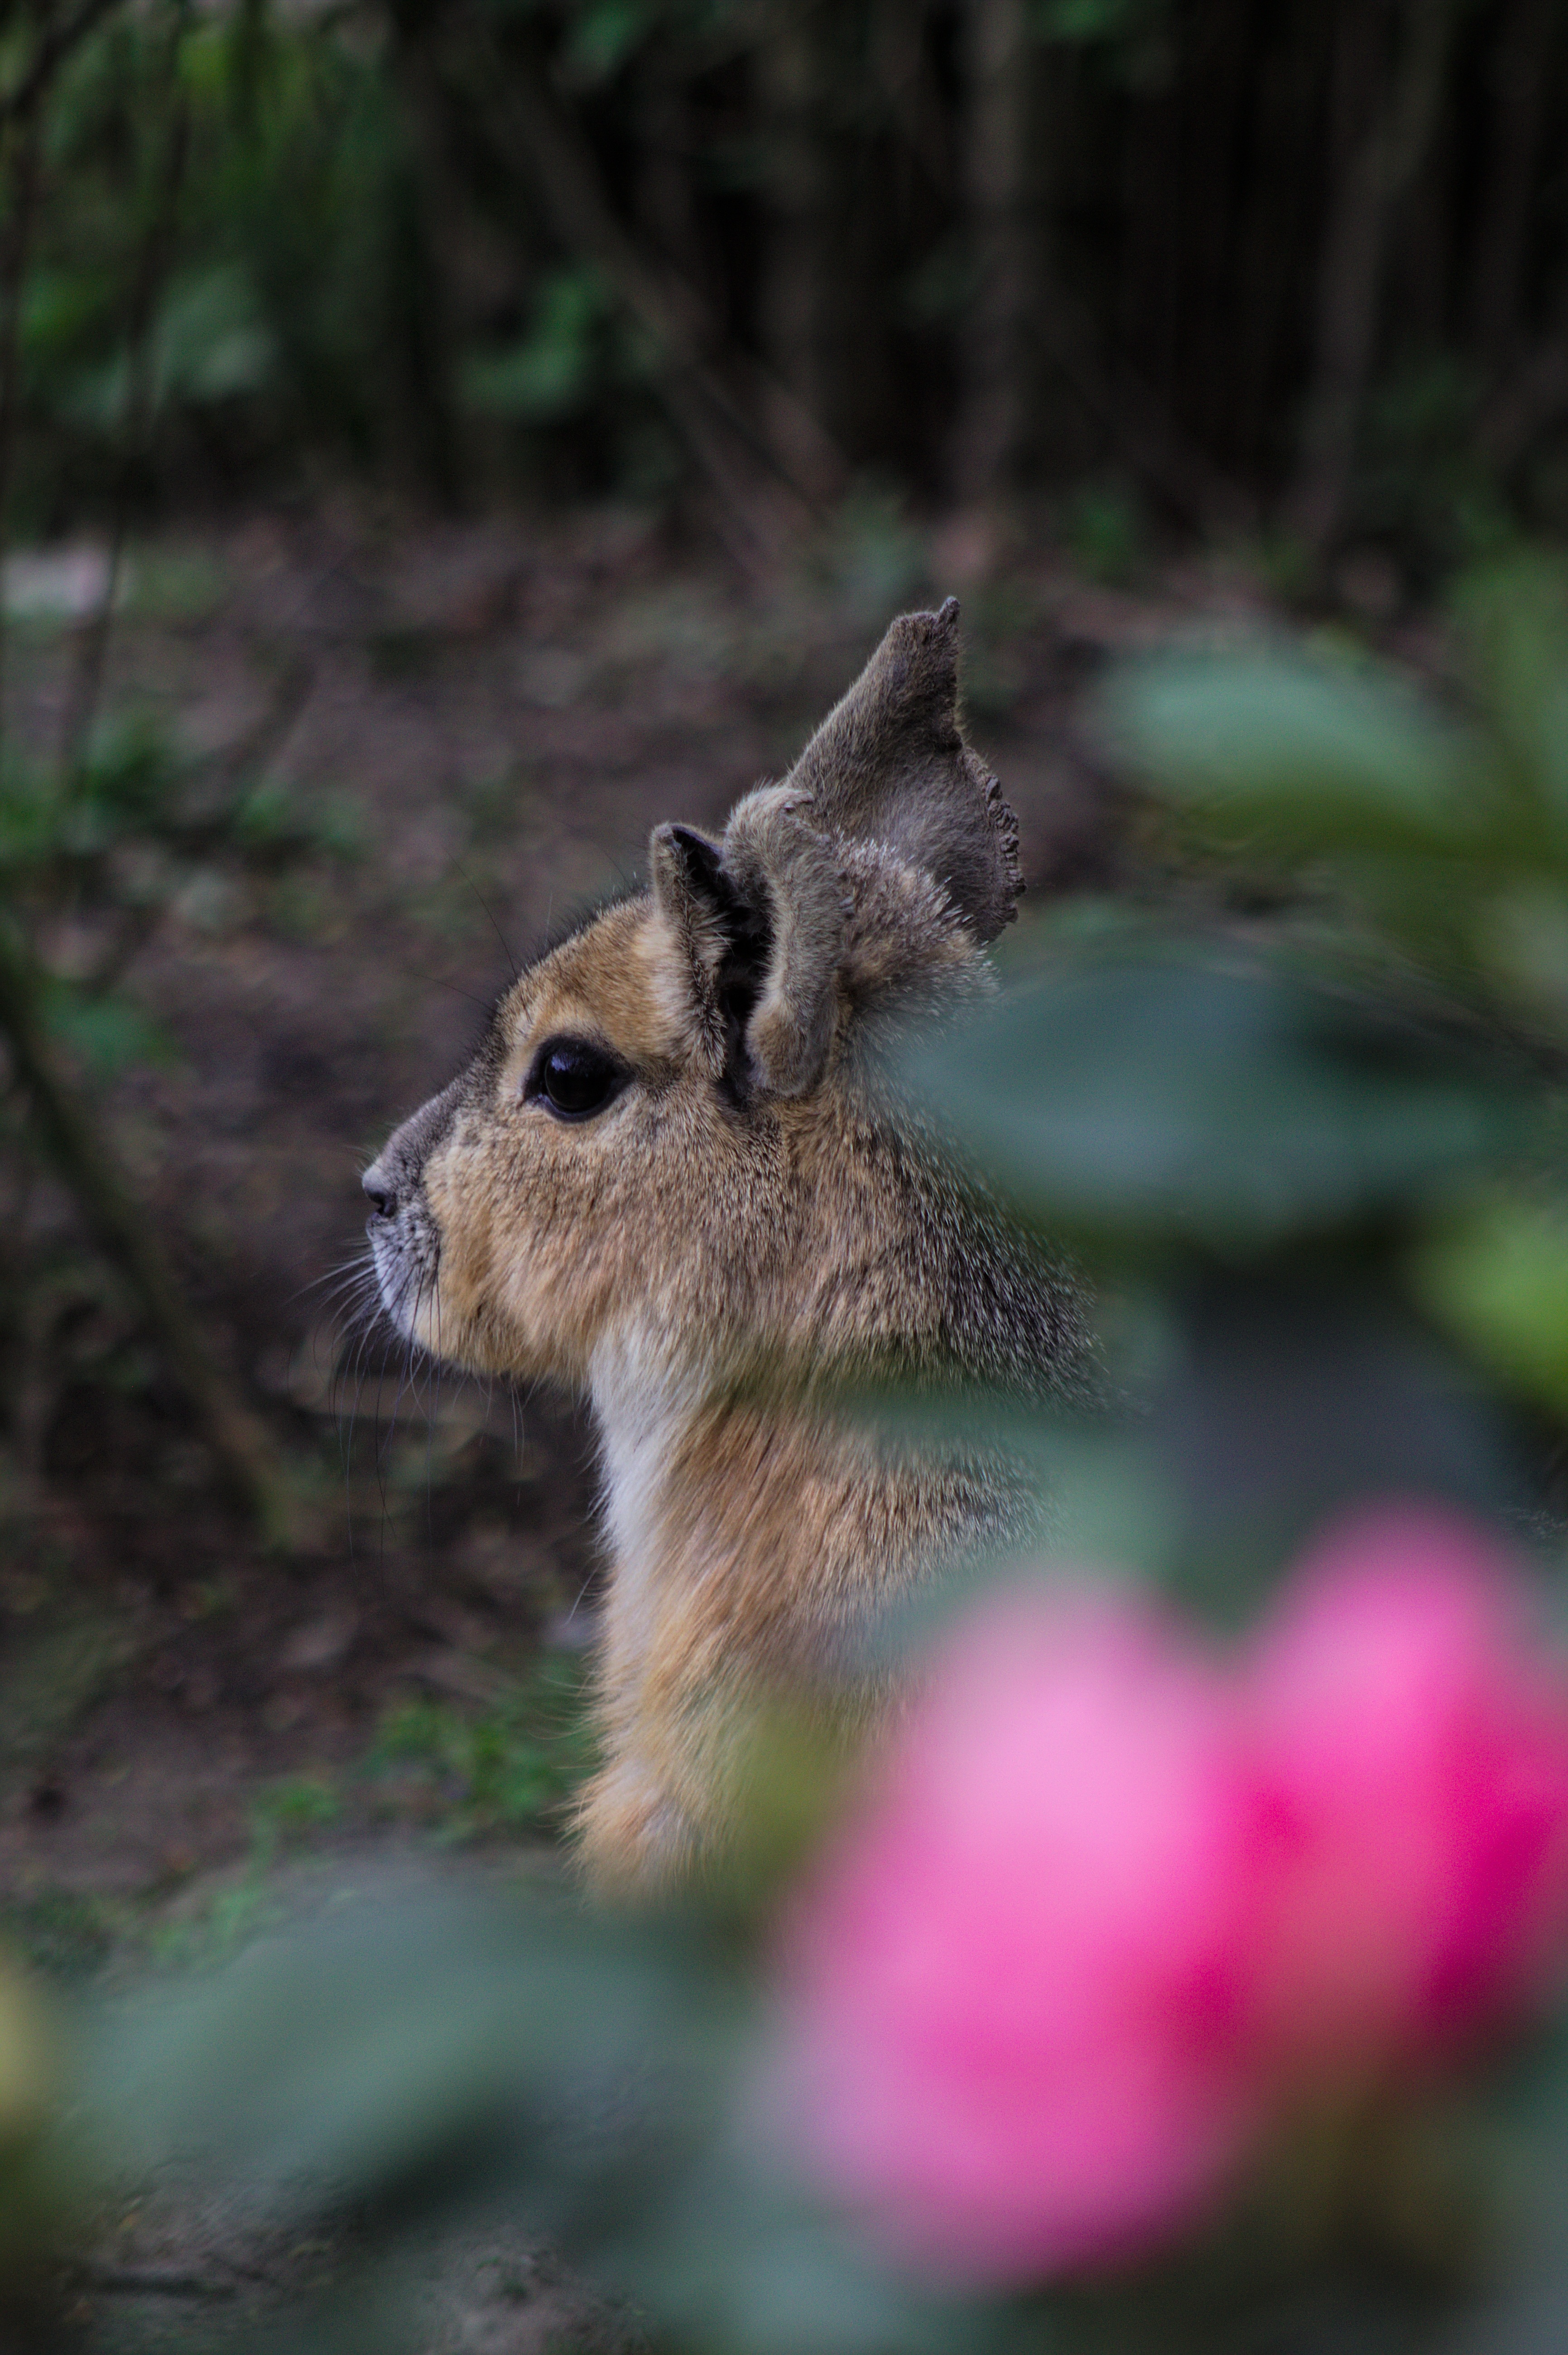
675, 1180
770, 1536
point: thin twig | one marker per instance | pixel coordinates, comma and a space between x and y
59, 39
670, 312
86, 1162
23, 218
1379, 168
135, 431
151, 2281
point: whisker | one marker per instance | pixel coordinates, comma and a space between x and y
434, 980
354, 1266
505, 945
350, 1370
432, 1402
384, 1442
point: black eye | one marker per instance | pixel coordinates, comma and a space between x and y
575, 1079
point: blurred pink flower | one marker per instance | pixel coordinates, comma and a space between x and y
1110, 1908
1413, 1746
1014, 1988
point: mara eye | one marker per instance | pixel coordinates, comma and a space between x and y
575, 1079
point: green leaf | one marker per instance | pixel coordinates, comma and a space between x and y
418, 2030
741, 2258
108, 1032
1312, 752
30, 818
550, 373
1167, 1095
765, 2278
212, 340
601, 37
1521, 938
1082, 21
129, 782
1516, 620
209, 343
1498, 1282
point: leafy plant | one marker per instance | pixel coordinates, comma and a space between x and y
94, 855
503, 1769
1436, 844
1308, 1157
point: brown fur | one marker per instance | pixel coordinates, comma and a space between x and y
747, 1225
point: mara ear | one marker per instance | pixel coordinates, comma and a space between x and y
717, 943
794, 877
690, 893
692, 900
889, 765
754, 927
887, 785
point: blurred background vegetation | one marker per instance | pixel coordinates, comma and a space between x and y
440, 439
1293, 271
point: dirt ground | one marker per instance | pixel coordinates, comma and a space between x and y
493, 716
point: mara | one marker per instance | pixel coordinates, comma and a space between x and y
675, 1178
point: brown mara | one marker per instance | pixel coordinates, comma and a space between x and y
672, 1178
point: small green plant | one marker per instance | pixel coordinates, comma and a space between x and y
507, 1768
97, 853
288, 1813
1104, 531
63, 1934
1253, 1129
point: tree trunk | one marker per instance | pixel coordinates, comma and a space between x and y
992, 356
1385, 123
795, 259
1519, 62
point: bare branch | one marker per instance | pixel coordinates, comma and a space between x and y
25, 175
136, 425
66, 34
239, 1438
1377, 171
995, 157
707, 414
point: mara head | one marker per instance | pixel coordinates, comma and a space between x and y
665, 1153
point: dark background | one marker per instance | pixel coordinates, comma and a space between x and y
438, 443
1290, 271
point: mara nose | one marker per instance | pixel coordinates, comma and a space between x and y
382, 1192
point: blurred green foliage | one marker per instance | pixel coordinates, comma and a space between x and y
1104, 531
1308, 1143
290, 1811
476, 249
109, 847
1178, 1095
1431, 846
507, 1768
276, 259
553, 370
100, 848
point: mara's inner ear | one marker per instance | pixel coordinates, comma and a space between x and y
719, 944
